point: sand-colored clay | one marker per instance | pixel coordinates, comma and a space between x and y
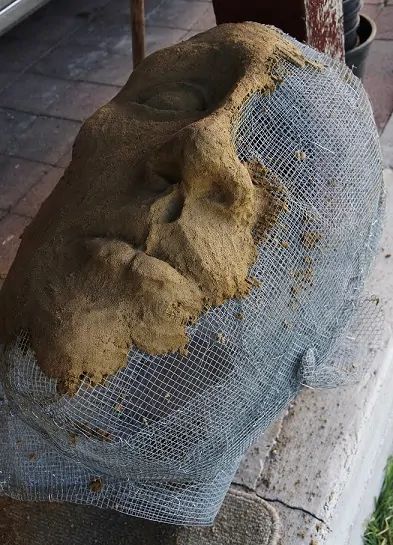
153, 220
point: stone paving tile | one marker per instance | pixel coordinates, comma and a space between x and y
31, 202
207, 20
159, 37
44, 139
43, 95
81, 8
111, 33
43, 28
70, 61
182, 14
17, 55
16, 177
378, 80
13, 124
114, 70
85, 63
35, 94
11, 228
150, 6
123, 7
7, 78
385, 25
372, 10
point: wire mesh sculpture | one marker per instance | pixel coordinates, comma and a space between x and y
163, 436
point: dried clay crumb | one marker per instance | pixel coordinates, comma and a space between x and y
254, 282
96, 485
300, 155
311, 238
221, 338
304, 276
94, 432
184, 352
295, 290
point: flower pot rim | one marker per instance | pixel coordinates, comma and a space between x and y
373, 32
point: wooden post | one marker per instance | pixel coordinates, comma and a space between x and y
324, 26
137, 8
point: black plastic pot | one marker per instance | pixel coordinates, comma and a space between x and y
351, 36
351, 9
351, 22
355, 58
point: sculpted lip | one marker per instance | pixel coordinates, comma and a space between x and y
156, 174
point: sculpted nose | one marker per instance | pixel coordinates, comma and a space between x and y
202, 159
201, 222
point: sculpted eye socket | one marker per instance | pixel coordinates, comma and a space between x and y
177, 96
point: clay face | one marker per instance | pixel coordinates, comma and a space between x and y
152, 222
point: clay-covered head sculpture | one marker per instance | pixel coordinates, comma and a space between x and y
199, 261
153, 219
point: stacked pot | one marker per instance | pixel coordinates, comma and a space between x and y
351, 16
359, 32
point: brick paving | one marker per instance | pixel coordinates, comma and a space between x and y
71, 56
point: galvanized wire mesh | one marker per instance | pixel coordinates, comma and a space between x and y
163, 437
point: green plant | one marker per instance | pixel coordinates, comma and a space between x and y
379, 530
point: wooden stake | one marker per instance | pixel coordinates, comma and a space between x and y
137, 8
324, 26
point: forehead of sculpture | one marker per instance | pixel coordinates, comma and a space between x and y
215, 69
